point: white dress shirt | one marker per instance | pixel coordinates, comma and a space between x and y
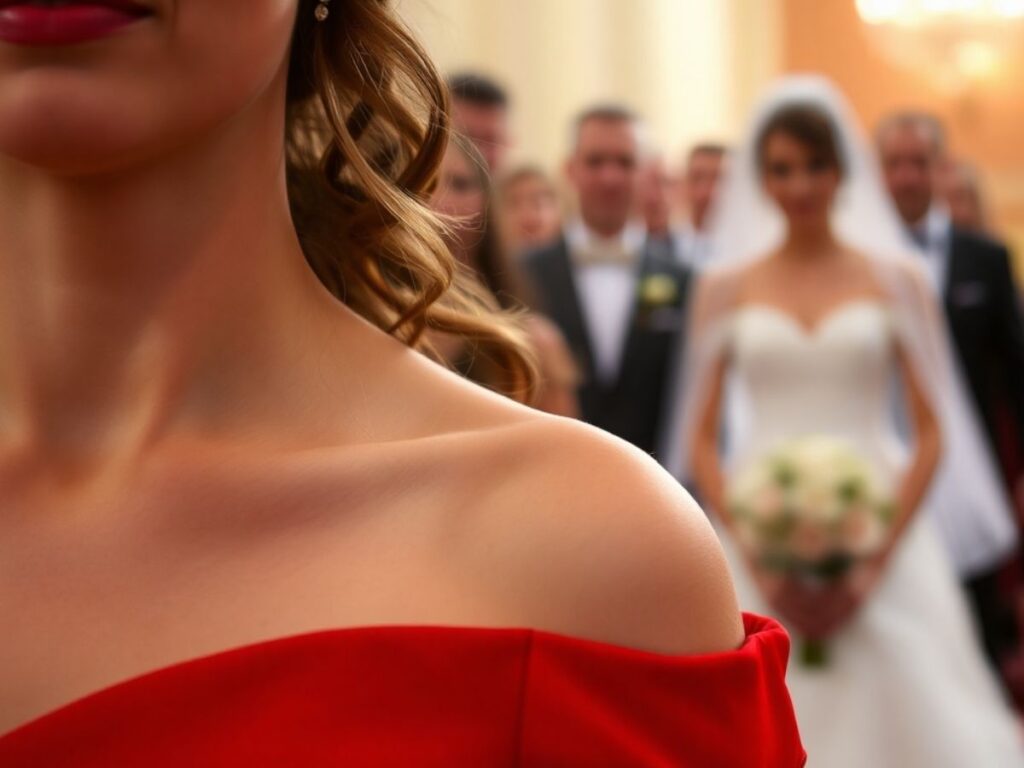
605, 272
931, 238
692, 247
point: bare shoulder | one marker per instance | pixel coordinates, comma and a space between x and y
584, 535
558, 526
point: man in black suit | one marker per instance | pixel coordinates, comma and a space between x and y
974, 277
619, 300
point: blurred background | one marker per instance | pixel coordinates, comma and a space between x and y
565, 210
693, 69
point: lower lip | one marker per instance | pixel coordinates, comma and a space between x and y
34, 25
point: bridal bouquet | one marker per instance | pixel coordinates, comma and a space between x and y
811, 509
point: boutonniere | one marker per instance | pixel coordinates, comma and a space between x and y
658, 290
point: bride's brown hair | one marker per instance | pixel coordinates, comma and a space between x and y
367, 128
810, 126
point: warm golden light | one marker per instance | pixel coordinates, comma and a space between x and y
922, 12
957, 41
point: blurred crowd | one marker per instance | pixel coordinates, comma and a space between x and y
602, 256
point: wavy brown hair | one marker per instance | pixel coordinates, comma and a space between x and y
367, 128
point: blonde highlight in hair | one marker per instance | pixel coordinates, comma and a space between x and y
366, 133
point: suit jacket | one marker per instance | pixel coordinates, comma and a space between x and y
987, 330
635, 405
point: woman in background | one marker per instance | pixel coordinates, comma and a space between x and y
464, 195
242, 520
810, 312
529, 213
961, 188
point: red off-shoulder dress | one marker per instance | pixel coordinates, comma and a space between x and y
433, 696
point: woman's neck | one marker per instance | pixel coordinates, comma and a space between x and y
808, 242
150, 298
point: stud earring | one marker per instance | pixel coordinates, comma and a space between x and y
322, 11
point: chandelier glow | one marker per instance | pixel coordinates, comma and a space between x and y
955, 41
922, 12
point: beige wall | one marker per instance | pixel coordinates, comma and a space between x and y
689, 66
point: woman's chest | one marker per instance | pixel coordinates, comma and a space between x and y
85, 606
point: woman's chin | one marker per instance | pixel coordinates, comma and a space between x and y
65, 132
64, 153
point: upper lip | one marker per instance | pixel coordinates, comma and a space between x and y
128, 6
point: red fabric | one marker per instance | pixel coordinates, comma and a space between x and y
444, 696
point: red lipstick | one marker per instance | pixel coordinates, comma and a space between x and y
24, 22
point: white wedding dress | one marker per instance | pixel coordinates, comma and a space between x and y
905, 685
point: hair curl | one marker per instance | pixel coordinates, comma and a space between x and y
367, 128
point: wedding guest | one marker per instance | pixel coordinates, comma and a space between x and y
973, 277
480, 110
464, 195
699, 183
619, 302
243, 521
656, 199
960, 190
529, 211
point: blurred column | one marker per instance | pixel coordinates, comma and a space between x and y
756, 49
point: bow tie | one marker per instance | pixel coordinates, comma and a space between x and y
605, 253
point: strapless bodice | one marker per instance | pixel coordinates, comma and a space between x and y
833, 379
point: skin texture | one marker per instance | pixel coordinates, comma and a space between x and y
200, 448
605, 171
808, 277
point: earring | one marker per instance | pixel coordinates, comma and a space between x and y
322, 11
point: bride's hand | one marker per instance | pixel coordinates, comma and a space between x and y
818, 611
793, 600
814, 611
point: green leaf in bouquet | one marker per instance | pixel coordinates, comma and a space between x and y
772, 560
779, 530
814, 654
784, 474
888, 512
851, 489
833, 567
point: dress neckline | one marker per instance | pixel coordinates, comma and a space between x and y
756, 628
826, 318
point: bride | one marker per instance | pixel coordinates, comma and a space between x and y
808, 319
